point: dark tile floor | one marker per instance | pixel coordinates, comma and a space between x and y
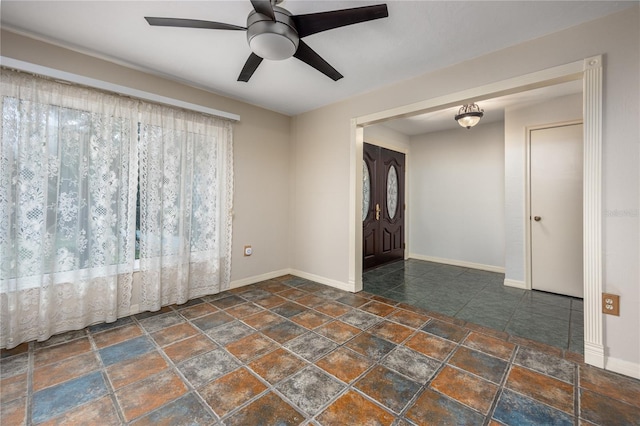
480, 297
290, 351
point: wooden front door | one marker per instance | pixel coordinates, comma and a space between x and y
382, 206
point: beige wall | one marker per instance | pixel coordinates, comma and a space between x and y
261, 152
322, 217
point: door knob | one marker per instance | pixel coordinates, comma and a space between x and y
537, 218
377, 211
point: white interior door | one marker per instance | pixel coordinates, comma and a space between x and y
556, 209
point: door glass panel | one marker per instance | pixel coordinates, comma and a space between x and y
366, 190
392, 192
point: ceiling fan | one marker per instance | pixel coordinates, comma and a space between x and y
274, 33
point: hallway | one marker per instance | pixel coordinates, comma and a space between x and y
480, 297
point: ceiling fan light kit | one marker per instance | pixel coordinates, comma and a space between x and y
469, 115
273, 33
272, 39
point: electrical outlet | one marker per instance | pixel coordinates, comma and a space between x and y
611, 304
248, 251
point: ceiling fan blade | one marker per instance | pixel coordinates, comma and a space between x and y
191, 23
310, 57
264, 7
316, 22
249, 67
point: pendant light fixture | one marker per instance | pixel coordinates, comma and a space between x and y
469, 115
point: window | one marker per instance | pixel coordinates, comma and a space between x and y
75, 208
90, 182
65, 189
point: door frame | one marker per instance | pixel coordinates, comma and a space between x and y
528, 280
589, 70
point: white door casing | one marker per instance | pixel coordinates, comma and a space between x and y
555, 192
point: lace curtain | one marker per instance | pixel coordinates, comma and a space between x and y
67, 216
185, 175
69, 185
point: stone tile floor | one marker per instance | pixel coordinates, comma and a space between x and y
290, 351
480, 297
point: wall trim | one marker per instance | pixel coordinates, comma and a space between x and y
356, 151
288, 271
592, 211
516, 284
323, 280
391, 147
628, 368
135, 309
463, 263
257, 278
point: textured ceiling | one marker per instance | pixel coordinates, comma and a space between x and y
417, 37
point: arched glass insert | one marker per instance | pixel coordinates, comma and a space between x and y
366, 190
392, 192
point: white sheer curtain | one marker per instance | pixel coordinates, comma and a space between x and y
74, 163
186, 190
67, 214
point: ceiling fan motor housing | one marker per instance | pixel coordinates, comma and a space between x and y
274, 33
269, 39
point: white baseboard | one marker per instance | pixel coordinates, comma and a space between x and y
323, 280
454, 262
135, 309
312, 277
515, 283
594, 354
257, 278
628, 368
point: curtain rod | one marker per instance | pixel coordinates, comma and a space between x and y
104, 85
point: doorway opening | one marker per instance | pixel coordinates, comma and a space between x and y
590, 72
383, 206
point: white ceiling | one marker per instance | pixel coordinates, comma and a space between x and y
417, 37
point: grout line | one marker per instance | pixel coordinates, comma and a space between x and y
31, 355
524, 294
105, 377
269, 387
503, 382
173, 366
308, 419
519, 302
568, 332
576, 395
